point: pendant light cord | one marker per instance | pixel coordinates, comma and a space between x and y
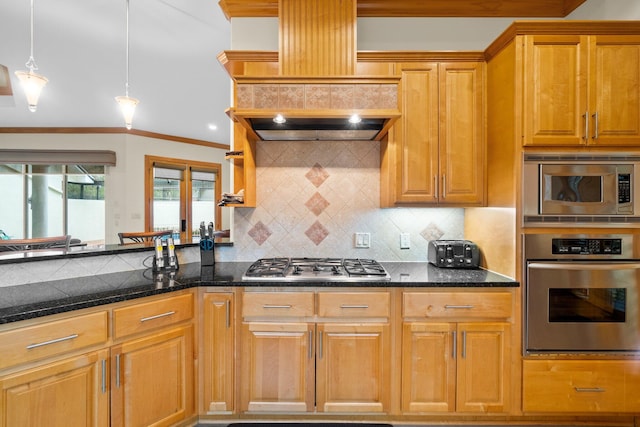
126, 84
31, 63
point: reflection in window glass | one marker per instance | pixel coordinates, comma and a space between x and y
53, 200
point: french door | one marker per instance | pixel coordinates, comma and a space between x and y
180, 194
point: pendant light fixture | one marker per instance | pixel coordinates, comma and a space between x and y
127, 104
31, 82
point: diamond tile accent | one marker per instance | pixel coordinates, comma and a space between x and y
317, 233
432, 232
259, 233
317, 175
317, 204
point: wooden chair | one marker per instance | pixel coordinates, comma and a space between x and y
39, 243
143, 236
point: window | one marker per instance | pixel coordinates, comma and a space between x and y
180, 194
52, 199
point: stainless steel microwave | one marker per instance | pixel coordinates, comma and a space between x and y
589, 189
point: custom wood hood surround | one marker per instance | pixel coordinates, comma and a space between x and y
315, 81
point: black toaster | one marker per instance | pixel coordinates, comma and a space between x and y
453, 253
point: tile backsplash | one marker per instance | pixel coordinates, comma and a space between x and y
313, 196
312, 199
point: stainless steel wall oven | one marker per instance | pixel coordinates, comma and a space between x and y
582, 293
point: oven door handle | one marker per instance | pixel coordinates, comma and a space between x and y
582, 265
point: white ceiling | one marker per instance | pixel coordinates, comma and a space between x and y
80, 48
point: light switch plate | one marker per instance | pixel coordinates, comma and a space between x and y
362, 240
405, 241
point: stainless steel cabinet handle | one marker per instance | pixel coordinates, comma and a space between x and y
117, 370
595, 125
320, 344
310, 344
435, 187
464, 344
104, 376
444, 186
157, 316
354, 306
456, 307
586, 125
53, 341
454, 351
275, 306
590, 389
228, 313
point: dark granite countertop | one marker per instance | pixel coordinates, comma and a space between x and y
41, 299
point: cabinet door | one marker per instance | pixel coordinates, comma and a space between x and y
483, 367
615, 90
352, 367
277, 372
417, 130
152, 382
218, 352
555, 90
428, 367
73, 392
461, 140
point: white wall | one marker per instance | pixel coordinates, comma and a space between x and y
124, 183
424, 33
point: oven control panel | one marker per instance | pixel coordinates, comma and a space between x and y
566, 246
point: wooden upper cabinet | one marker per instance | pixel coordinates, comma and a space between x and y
614, 88
581, 90
436, 153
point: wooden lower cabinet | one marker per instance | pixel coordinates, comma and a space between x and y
335, 361
352, 368
152, 379
455, 367
70, 392
218, 352
581, 386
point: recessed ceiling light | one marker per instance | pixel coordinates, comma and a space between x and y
213, 126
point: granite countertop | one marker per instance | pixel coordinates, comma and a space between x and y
41, 299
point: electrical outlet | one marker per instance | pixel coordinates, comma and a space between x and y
362, 240
405, 241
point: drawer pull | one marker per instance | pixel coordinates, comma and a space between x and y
157, 316
57, 340
276, 306
589, 389
457, 307
354, 306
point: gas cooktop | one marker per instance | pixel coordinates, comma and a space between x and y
316, 269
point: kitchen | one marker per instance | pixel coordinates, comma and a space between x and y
394, 238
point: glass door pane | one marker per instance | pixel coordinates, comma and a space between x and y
166, 204
203, 206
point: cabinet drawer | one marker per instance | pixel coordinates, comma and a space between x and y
457, 304
49, 339
145, 316
277, 304
353, 304
581, 386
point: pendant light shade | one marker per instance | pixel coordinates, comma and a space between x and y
127, 104
31, 82
32, 85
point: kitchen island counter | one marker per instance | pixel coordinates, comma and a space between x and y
34, 300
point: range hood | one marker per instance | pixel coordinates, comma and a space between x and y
317, 87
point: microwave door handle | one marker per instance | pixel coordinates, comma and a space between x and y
582, 265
